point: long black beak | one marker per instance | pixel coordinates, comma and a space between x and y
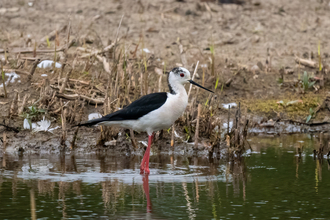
192, 82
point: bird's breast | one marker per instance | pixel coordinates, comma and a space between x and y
166, 115
176, 105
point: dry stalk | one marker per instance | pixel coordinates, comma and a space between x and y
52, 100
133, 138
308, 63
108, 110
268, 61
193, 77
85, 83
17, 71
34, 66
118, 28
73, 142
14, 106
58, 89
108, 89
183, 56
116, 84
64, 126
77, 97
97, 53
172, 136
105, 106
66, 80
160, 84
4, 140
188, 116
141, 81
52, 35
3, 81
73, 115
60, 108
228, 120
21, 109
35, 51
197, 126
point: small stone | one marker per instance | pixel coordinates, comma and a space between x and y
255, 69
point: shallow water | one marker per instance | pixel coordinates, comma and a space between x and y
272, 182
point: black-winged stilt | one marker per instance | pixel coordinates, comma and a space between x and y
152, 112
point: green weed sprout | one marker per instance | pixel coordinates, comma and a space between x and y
32, 113
311, 115
305, 82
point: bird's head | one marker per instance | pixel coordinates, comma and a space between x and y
182, 75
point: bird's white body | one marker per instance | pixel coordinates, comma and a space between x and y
161, 118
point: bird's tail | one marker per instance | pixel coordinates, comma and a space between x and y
90, 122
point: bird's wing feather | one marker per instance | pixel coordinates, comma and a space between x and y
135, 110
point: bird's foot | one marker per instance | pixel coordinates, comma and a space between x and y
141, 170
142, 167
144, 170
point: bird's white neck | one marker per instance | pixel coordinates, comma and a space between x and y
176, 88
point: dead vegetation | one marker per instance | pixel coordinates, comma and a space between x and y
98, 70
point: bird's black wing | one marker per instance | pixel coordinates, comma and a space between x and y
135, 110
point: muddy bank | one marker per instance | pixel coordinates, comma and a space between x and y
26, 141
86, 143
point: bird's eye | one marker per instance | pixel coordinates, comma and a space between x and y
181, 74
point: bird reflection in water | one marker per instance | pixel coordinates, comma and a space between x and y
145, 179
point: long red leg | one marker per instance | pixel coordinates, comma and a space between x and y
144, 168
145, 180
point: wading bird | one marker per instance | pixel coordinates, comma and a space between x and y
152, 112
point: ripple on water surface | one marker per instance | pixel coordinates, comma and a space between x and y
272, 181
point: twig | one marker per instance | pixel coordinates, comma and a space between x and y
193, 77
33, 69
86, 83
34, 58
65, 81
32, 50
60, 108
52, 35
73, 114
8, 128
58, 88
76, 96
96, 53
305, 62
17, 71
131, 132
